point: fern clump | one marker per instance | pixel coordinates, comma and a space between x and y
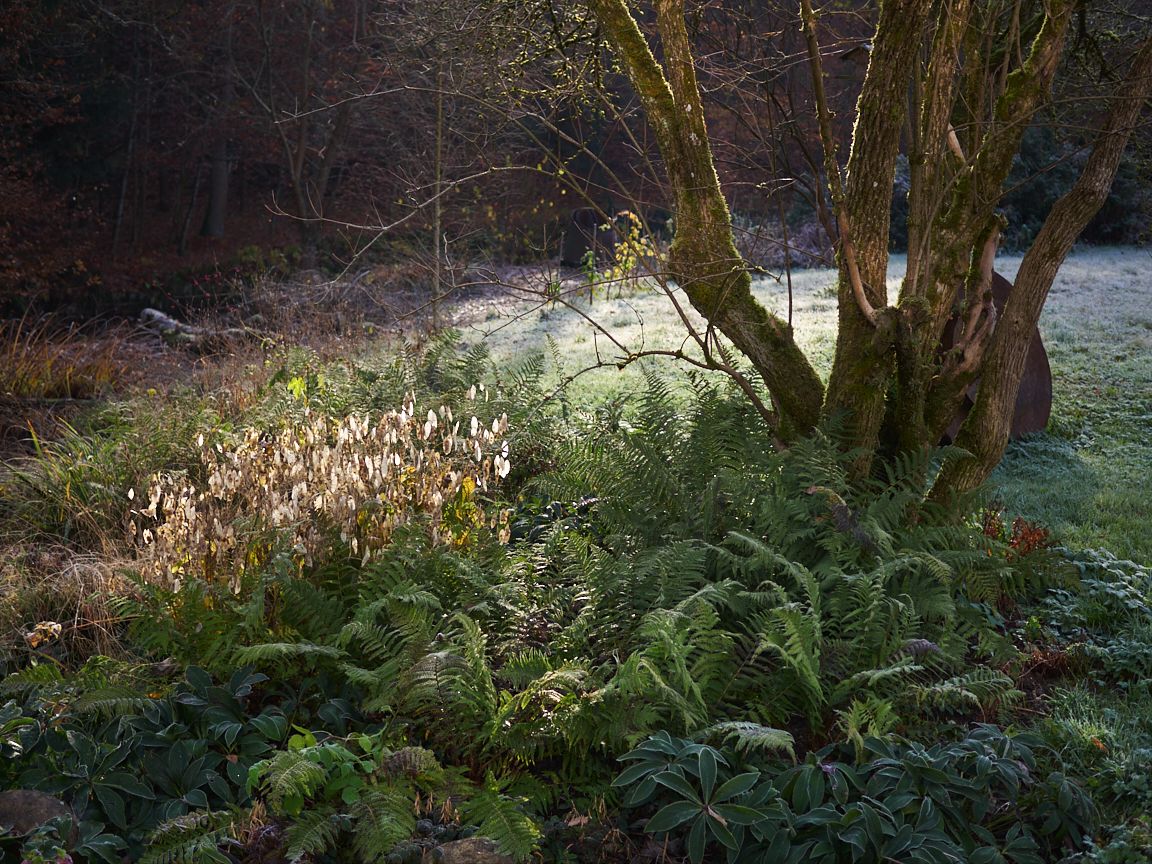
191, 839
737, 583
359, 790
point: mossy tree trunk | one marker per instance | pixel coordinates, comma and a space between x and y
985, 433
976, 87
703, 259
864, 358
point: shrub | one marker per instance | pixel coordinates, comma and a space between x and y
356, 477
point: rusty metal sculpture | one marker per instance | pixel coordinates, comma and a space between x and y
1034, 401
589, 230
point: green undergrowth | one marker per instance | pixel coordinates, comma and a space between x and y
1084, 478
839, 671
1094, 646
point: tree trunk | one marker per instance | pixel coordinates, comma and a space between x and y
888, 367
122, 200
985, 433
863, 364
703, 259
437, 203
218, 173
220, 169
186, 229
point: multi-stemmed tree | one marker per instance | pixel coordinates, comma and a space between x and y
953, 85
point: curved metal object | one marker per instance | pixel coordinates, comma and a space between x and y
1034, 401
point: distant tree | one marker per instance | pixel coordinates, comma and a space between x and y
301, 73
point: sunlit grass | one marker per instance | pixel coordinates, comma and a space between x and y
1087, 477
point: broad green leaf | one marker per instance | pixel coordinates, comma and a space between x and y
678, 784
198, 678
738, 814
696, 841
707, 773
669, 817
113, 805
640, 793
237, 772
127, 783
633, 773
874, 827
738, 785
723, 833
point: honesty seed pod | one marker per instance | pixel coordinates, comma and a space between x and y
319, 480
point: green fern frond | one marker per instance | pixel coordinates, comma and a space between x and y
524, 667
383, 817
380, 685
757, 561
190, 839
749, 737
871, 717
316, 608
290, 774
31, 678
886, 679
109, 702
455, 685
502, 820
312, 833
413, 763
980, 688
273, 653
432, 681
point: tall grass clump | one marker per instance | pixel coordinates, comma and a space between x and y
73, 488
57, 606
39, 360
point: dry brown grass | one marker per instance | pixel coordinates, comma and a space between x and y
41, 361
51, 583
51, 374
46, 370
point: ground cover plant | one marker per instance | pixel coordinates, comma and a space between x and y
1083, 477
567, 633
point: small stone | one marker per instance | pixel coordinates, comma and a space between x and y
473, 850
24, 810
